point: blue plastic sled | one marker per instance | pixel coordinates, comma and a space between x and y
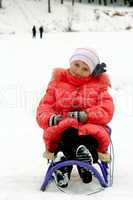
104, 173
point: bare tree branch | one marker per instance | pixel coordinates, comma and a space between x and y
0, 3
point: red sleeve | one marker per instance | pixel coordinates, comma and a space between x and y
46, 106
103, 112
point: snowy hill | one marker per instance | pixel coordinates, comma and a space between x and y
26, 66
18, 17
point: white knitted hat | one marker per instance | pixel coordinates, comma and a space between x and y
89, 56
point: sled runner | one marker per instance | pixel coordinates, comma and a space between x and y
102, 171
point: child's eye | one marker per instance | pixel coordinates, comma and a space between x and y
76, 64
85, 69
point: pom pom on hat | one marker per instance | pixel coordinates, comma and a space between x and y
88, 56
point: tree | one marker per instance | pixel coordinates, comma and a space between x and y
62, 1
130, 3
0, 3
49, 6
72, 2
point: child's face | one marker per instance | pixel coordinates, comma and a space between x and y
79, 68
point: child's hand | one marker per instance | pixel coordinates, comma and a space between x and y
68, 122
55, 119
81, 116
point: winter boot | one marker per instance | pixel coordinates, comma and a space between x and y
83, 153
62, 175
84, 174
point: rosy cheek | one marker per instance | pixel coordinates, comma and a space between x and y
87, 73
74, 69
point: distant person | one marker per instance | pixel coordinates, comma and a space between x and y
41, 30
34, 31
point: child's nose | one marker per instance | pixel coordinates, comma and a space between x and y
79, 71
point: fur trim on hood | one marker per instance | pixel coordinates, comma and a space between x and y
59, 74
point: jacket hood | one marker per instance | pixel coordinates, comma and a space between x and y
61, 74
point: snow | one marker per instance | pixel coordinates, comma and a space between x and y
26, 65
18, 17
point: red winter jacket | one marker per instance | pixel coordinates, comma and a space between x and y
66, 93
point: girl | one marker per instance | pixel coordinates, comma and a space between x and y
74, 113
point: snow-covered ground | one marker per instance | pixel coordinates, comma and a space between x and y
26, 65
18, 16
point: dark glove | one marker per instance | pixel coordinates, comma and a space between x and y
55, 119
99, 69
81, 116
